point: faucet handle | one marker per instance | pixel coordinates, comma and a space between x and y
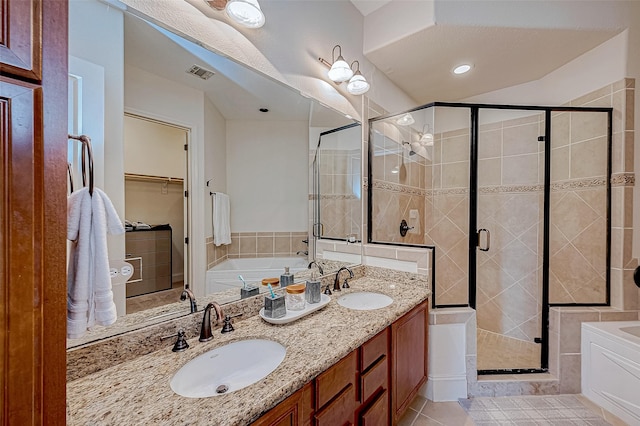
227, 326
181, 344
345, 284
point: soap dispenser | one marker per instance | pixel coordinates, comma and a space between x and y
286, 278
313, 289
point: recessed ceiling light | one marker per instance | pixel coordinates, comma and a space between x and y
461, 69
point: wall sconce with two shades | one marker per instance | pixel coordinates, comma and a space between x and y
340, 71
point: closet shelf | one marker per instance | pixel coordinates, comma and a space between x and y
151, 178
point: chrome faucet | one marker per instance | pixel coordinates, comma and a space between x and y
336, 283
192, 299
205, 330
315, 262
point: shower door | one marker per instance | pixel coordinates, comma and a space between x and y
509, 253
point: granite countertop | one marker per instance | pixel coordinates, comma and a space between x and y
138, 391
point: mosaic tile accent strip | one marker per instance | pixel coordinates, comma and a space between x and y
388, 186
550, 410
623, 179
511, 188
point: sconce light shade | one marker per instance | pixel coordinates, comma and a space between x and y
245, 12
358, 85
405, 120
426, 137
340, 71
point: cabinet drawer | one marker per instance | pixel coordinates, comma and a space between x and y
331, 382
378, 413
374, 379
340, 411
374, 348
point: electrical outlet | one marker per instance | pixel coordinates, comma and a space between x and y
126, 270
113, 272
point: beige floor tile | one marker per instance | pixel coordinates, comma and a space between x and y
426, 421
408, 418
446, 413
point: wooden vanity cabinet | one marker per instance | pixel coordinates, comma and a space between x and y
336, 392
372, 386
296, 410
374, 381
409, 348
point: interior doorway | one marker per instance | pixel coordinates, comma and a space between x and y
156, 211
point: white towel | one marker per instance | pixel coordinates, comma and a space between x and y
221, 223
89, 294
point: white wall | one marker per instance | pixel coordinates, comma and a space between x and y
310, 28
600, 66
152, 96
267, 175
154, 149
215, 153
96, 35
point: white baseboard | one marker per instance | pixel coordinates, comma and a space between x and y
441, 389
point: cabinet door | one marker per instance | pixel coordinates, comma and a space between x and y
409, 351
33, 133
20, 38
340, 411
378, 412
293, 411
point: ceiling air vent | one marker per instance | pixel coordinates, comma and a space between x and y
200, 72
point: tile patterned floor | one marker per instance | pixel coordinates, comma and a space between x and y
427, 413
152, 300
496, 352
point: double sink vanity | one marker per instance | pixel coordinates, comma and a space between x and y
359, 360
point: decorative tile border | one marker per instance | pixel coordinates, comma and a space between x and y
338, 197
511, 188
623, 179
394, 187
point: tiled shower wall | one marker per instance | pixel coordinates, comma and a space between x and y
510, 177
339, 203
399, 182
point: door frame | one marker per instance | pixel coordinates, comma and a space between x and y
189, 267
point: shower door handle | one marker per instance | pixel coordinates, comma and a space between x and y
488, 246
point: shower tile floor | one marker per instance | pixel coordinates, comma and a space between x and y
499, 352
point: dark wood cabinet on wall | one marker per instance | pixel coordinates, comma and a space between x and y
33, 121
372, 386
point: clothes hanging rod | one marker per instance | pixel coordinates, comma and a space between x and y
152, 178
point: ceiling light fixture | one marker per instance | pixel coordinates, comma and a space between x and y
245, 12
358, 85
405, 120
461, 69
340, 70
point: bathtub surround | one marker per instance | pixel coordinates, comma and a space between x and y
257, 244
92, 398
610, 359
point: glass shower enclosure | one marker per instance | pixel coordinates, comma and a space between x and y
514, 201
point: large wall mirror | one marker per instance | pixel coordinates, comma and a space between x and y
255, 140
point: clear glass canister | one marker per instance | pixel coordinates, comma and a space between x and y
295, 297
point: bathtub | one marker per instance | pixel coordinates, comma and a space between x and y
224, 275
611, 367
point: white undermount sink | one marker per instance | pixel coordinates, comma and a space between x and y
228, 368
365, 301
